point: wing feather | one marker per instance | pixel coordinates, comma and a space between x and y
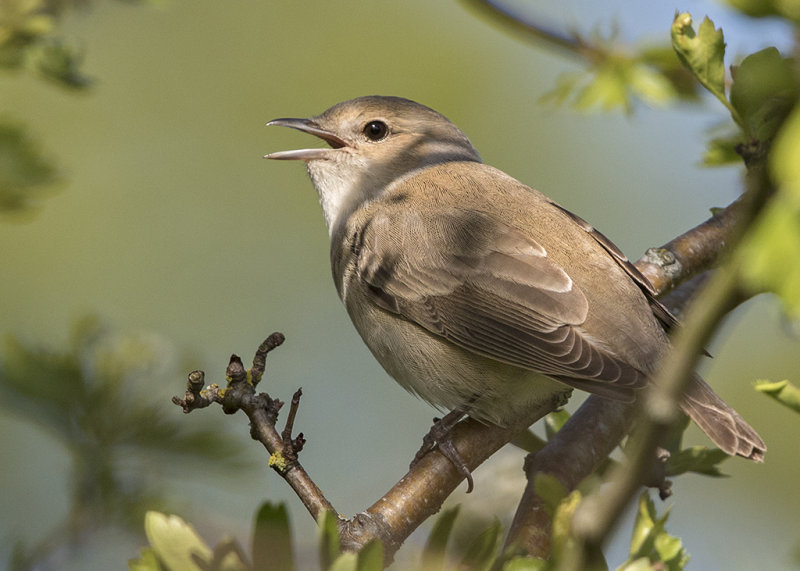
491, 289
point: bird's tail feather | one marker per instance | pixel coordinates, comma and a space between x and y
721, 423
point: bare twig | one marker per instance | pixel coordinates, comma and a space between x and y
262, 411
512, 19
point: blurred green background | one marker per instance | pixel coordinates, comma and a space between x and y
168, 222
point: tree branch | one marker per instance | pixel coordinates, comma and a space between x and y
598, 426
511, 19
262, 411
596, 516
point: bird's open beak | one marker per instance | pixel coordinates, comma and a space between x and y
307, 126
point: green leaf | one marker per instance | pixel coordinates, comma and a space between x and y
550, 490
765, 253
650, 85
344, 562
370, 558
147, 561
698, 459
786, 159
664, 59
433, 555
722, 151
554, 421
329, 540
763, 93
670, 550
26, 175
525, 564
608, 88
771, 246
641, 564
566, 85
528, 441
651, 544
483, 549
765, 8
645, 528
272, 538
175, 542
61, 63
228, 556
702, 52
563, 544
784, 392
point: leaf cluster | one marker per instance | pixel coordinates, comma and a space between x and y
762, 101
175, 545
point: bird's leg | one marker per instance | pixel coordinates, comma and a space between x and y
440, 436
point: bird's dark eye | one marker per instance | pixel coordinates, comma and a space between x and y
375, 130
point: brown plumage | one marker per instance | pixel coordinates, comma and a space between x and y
470, 287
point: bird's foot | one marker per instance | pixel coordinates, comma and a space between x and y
439, 437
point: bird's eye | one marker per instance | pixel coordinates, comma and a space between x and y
375, 130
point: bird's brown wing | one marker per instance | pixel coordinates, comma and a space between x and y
667, 320
489, 288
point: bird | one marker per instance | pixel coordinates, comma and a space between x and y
474, 291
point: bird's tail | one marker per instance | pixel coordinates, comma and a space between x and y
721, 423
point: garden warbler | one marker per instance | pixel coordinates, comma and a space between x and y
473, 290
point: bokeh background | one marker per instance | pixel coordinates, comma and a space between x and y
168, 223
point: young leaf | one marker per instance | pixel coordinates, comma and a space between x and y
370, 558
554, 421
763, 92
175, 542
528, 441
702, 52
651, 546
27, 175
344, 562
721, 151
562, 521
272, 538
769, 251
645, 528
698, 459
764, 8
433, 555
328, 540
782, 391
483, 549
525, 564
650, 85
607, 89
228, 556
147, 561
550, 490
